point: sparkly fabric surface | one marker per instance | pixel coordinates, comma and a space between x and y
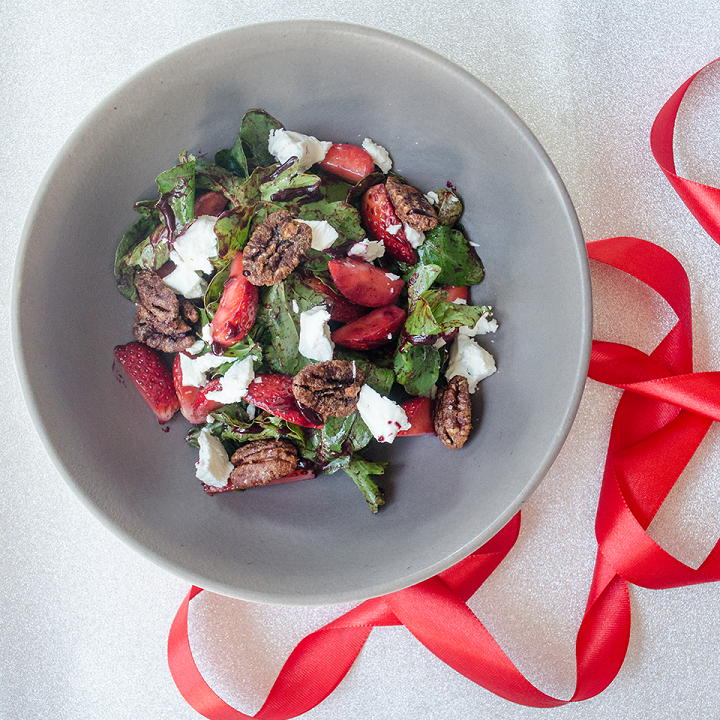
84, 619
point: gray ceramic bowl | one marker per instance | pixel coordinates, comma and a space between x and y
311, 542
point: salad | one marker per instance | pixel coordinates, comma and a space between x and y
297, 300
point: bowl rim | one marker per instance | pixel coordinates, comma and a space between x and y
33, 403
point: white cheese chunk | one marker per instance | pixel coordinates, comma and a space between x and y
184, 280
432, 197
213, 466
367, 250
384, 418
485, 324
315, 342
193, 369
323, 233
198, 243
379, 154
414, 237
470, 361
234, 383
283, 145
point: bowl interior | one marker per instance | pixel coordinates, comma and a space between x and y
310, 542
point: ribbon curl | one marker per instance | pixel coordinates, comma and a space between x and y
661, 419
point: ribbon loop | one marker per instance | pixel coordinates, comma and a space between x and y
661, 419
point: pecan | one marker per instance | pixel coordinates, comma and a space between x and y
275, 249
262, 461
329, 388
161, 320
411, 206
452, 413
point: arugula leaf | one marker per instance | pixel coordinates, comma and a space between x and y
449, 208
215, 290
277, 316
140, 231
450, 249
420, 281
232, 230
380, 379
334, 447
417, 368
360, 471
290, 190
215, 176
340, 214
225, 159
177, 189
251, 147
233, 423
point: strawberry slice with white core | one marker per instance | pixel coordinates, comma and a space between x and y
382, 224
365, 284
202, 405
237, 309
146, 367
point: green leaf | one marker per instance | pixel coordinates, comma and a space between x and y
232, 229
216, 177
215, 290
421, 322
378, 378
290, 190
361, 470
226, 160
251, 147
232, 423
139, 232
421, 280
449, 208
340, 214
281, 324
417, 368
177, 189
450, 249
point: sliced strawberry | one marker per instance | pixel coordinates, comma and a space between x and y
419, 411
238, 306
349, 162
456, 292
292, 477
151, 376
377, 328
274, 394
365, 284
203, 406
186, 393
379, 219
210, 203
341, 309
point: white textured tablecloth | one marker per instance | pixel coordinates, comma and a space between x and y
84, 619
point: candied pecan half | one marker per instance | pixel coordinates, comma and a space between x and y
452, 413
411, 206
262, 461
275, 249
329, 388
160, 320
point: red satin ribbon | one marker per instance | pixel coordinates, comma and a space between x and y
659, 423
